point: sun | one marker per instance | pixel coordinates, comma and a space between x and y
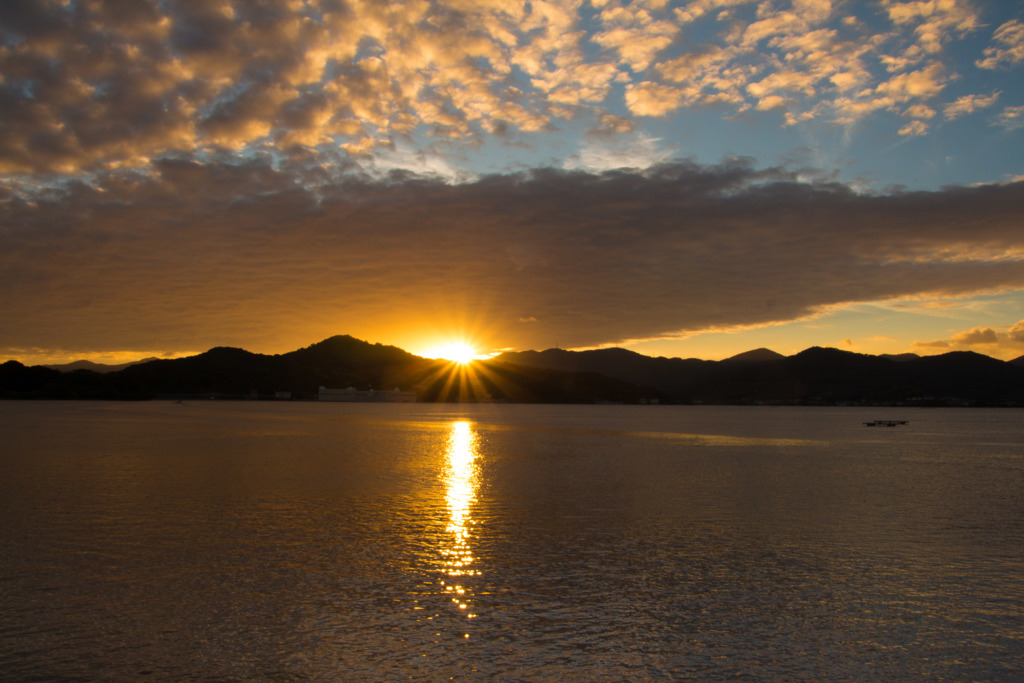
457, 352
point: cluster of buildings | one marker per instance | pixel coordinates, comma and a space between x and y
353, 395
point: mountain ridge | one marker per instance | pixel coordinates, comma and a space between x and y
336, 362
101, 368
814, 376
758, 354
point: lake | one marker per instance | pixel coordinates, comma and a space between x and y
280, 541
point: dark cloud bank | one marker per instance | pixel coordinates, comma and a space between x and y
194, 255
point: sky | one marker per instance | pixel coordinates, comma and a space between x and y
691, 178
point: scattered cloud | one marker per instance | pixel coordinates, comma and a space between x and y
933, 22
923, 84
1011, 118
634, 34
1008, 48
941, 344
653, 99
416, 161
919, 111
629, 151
968, 104
610, 125
977, 335
89, 88
914, 128
987, 340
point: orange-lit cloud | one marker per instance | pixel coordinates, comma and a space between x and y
1008, 48
1011, 118
271, 259
100, 85
968, 104
1007, 342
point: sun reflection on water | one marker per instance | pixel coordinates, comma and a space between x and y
461, 475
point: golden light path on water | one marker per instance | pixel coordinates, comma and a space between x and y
461, 480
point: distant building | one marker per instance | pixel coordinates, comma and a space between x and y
353, 395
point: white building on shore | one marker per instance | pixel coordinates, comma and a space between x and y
353, 395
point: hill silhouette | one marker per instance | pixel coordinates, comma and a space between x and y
755, 356
101, 368
814, 376
337, 362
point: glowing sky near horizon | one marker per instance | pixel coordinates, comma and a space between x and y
687, 178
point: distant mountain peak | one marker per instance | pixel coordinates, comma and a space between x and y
900, 357
756, 356
101, 368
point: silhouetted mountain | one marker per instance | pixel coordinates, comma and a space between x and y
337, 362
490, 380
899, 357
816, 375
757, 355
101, 368
670, 376
1019, 362
38, 382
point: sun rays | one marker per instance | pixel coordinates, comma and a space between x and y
475, 380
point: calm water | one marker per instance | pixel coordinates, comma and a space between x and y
354, 542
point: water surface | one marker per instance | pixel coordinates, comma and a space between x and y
250, 540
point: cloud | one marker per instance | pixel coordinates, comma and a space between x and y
85, 88
919, 111
416, 161
634, 34
271, 256
914, 128
1005, 342
921, 84
653, 99
1011, 118
936, 344
934, 21
1008, 49
968, 104
95, 86
626, 151
695, 9
609, 125
977, 335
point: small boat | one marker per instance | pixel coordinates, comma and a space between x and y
886, 423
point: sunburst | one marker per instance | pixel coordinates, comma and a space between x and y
457, 351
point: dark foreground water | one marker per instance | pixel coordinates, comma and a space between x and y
269, 541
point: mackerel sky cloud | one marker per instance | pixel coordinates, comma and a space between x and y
180, 175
